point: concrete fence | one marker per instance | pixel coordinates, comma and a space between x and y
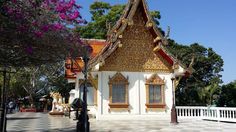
208, 113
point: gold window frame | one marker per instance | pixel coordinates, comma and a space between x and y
118, 78
155, 80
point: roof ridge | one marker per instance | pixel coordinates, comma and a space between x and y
124, 14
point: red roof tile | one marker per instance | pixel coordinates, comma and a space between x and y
72, 66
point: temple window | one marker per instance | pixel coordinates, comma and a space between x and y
118, 91
155, 94
155, 97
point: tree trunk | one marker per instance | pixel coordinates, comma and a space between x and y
31, 100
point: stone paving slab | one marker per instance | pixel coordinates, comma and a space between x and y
42, 122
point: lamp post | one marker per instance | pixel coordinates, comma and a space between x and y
84, 109
3, 110
174, 119
83, 121
3, 103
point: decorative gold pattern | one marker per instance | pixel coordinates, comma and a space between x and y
136, 53
155, 79
118, 78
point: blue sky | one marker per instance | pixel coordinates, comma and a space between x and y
211, 23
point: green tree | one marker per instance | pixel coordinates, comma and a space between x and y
200, 87
228, 95
104, 16
55, 79
38, 81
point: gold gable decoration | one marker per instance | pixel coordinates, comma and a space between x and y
155, 79
135, 53
118, 78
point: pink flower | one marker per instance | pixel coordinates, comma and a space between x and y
60, 8
38, 34
34, 23
18, 15
54, 1
70, 4
10, 11
22, 28
63, 16
74, 15
29, 49
13, 1
45, 28
58, 26
46, 2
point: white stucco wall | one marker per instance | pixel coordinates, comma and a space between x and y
136, 96
137, 93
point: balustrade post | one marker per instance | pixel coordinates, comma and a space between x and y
201, 113
233, 114
229, 116
218, 114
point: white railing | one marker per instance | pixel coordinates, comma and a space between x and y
208, 113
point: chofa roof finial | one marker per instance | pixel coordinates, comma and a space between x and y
167, 36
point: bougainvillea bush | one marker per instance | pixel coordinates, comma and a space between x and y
33, 32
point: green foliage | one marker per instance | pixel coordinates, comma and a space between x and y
200, 87
209, 94
54, 77
61, 85
104, 16
38, 81
156, 15
98, 9
228, 95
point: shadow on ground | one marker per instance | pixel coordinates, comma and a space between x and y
51, 130
22, 118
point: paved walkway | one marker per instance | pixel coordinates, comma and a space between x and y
42, 122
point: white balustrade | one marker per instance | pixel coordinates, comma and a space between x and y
208, 113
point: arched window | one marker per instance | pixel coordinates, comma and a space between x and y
155, 95
118, 91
